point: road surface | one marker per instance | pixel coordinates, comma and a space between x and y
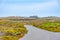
39, 34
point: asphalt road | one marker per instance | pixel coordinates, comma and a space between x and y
39, 34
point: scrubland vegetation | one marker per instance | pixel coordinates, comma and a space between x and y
11, 30
53, 26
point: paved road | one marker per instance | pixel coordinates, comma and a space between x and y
39, 34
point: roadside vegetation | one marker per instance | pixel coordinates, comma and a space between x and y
53, 26
14, 29
11, 30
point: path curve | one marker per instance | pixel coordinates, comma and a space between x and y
39, 34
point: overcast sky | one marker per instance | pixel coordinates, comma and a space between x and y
29, 8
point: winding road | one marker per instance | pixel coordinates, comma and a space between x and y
39, 34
